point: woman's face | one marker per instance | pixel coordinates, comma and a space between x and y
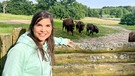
42, 30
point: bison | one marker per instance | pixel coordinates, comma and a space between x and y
80, 26
68, 24
91, 28
131, 37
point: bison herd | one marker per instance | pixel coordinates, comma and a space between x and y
69, 25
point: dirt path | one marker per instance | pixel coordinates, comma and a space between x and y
15, 21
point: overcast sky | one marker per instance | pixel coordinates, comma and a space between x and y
102, 3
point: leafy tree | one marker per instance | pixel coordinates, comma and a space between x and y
67, 2
129, 8
4, 4
71, 11
64, 8
80, 10
0, 7
58, 10
22, 7
94, 13
113, 12
128, 19
106, 11
68, 8
119, 13
13, 8
41, 6
45, 4
125, 11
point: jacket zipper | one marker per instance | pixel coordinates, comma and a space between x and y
40, 58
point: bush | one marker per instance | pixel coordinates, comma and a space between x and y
128, 19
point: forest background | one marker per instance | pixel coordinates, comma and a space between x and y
67, 8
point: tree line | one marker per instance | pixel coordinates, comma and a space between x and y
65, 9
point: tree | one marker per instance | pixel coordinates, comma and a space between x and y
94, 13
128, 19
4, 5
119, 13
58, 10
67, 2
45, 4
80, 11
20, 7
1, 7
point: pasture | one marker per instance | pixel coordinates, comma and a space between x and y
7, 27
76, 57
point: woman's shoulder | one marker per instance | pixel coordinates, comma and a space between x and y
22, 48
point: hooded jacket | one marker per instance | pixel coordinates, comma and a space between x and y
24, 60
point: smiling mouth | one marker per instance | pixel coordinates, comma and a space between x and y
42, 34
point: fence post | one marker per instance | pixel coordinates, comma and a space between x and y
17, 32
5, 43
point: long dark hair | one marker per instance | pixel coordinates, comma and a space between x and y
50, 40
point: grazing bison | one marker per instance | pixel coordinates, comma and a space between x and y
68, 24
91, 28
80, 26
131, 37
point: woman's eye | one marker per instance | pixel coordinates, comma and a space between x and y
39, 25
48, 25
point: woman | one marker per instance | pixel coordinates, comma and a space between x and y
33, 54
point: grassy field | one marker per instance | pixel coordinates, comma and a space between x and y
99, 21
7, 28
14, 17
102, 31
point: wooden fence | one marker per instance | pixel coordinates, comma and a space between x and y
108, 60
6, 41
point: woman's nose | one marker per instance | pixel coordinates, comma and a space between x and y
43, 29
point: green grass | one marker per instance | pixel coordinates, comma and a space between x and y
102, 31
14, 17
7, 28
129, 27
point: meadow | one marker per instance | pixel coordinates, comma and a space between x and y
7, 27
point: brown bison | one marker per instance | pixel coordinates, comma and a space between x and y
131, 37
68, 24
80, 26
91, 28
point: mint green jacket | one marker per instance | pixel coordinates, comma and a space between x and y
24, 60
